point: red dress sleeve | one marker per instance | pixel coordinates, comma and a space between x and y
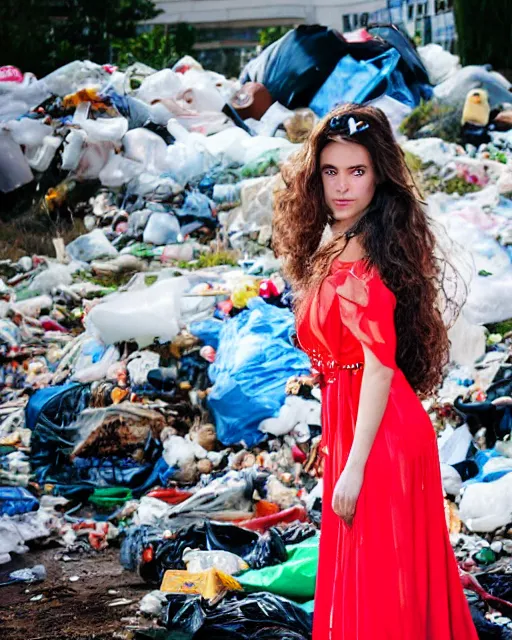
367, 309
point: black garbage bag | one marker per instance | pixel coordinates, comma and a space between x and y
50, 414
238, 617
297, 532
498, 584
488, 630
147, 552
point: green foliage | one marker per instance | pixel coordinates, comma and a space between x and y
484, 32
433, 119
156, 48
268, 35
211, 259
40, 36
502, 328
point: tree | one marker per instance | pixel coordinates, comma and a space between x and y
268, 35
41, 35
158, 48
484, 32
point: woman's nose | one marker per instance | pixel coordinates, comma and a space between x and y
341, 185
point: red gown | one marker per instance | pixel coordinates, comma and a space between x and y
393, 574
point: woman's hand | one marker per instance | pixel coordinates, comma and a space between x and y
346, 492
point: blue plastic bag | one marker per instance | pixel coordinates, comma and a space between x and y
208, 331
254, 360
16, 500
353, 81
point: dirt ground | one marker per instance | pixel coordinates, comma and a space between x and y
71, 610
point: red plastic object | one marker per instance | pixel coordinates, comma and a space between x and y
170, 496
265, 508
225, 306
268, 289
49, 324
10, 74
298, 454
283, 517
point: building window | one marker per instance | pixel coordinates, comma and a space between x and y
410, 12
364, 18
355, 19
346, 23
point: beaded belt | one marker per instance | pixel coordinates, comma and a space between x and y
327, 366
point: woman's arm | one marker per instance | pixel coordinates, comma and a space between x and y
373, 400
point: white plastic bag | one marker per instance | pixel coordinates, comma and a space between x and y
119, 170
153, 312
439, 63
147, 148
162, 228
91, 246
14, 168
487, 506
162, 84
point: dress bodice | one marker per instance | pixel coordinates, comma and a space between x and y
351, 308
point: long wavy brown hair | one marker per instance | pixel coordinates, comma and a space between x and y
395, 233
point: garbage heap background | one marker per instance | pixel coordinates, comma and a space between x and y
152, 395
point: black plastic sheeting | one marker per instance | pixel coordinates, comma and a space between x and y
261, 616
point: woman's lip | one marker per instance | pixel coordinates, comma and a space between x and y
342, 203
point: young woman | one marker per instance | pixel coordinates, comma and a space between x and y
368, 317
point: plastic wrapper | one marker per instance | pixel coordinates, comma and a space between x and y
225, 561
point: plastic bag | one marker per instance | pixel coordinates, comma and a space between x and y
254, 360
147, 148
439, 63
74, 76
91, 246
162, 84
28, 132
14, 168
226, 561
16, 500
162, 228
295, 578
153, 312
238, 617
487, 506
56, 275
353, 81
208, 331
119, 170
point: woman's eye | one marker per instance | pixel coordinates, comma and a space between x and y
359, 172
330, 172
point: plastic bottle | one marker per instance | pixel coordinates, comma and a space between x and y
14, 168
40, 158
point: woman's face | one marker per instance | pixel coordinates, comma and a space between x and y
348, 180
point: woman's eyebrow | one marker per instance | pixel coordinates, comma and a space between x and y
358, 166
328, 166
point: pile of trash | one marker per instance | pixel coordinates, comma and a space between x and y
152, 395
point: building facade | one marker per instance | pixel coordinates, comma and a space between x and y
231, 28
